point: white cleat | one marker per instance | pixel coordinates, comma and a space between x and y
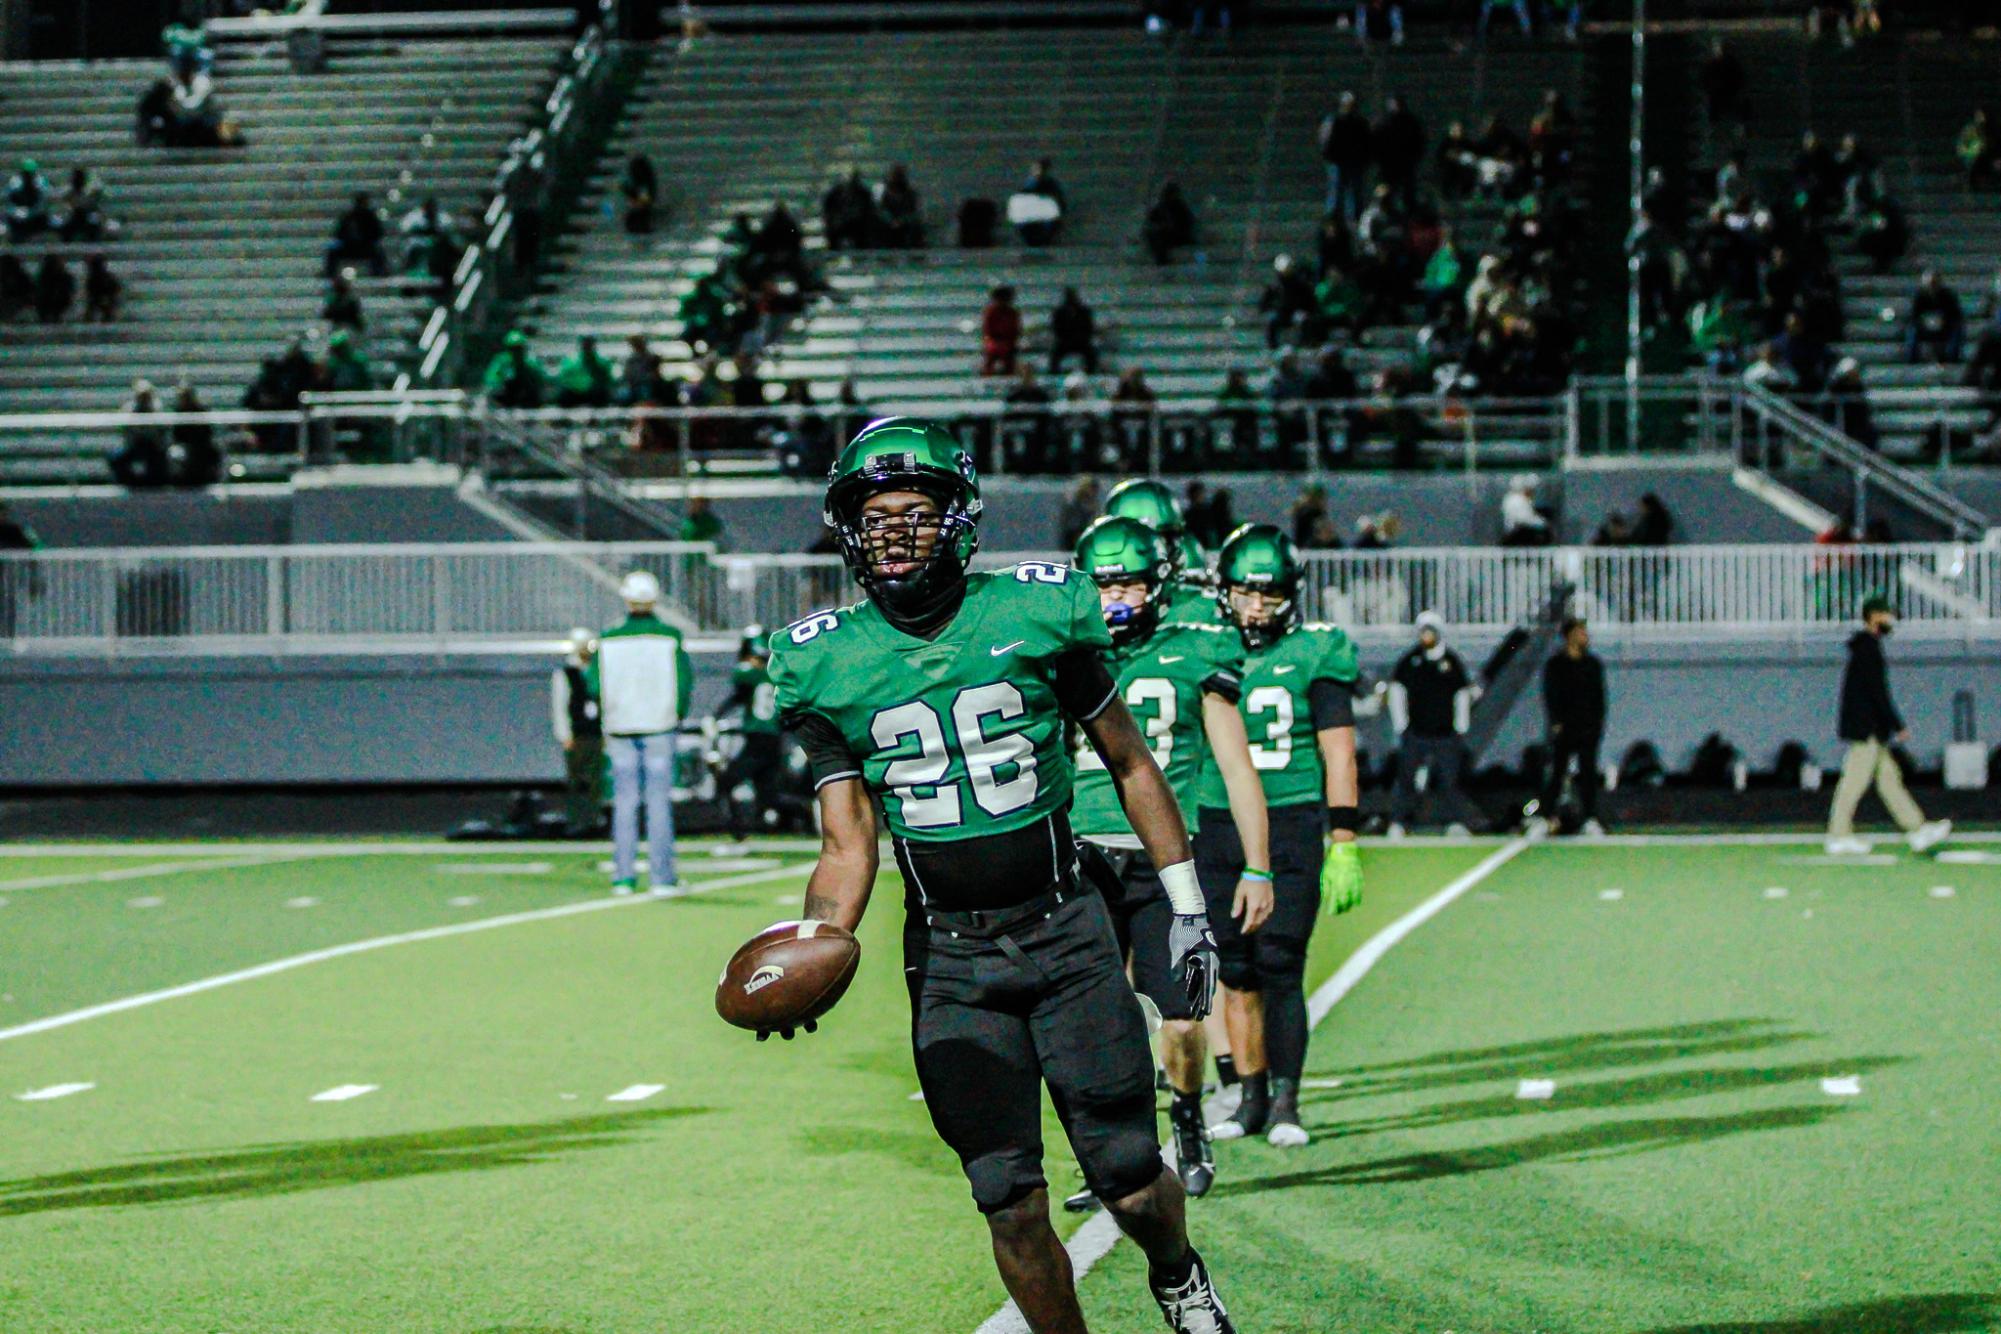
1929, 835
1592, 829
665, 891
1851, 847
1457, 830
1288, 1135
1227, 1128
1396, 831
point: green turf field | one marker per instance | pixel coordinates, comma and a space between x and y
1683, 1005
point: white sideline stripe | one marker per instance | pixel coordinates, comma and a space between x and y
343, 1092
139, 872
635, 1093
1095, 1239
363, 947
52, 1091
326, 847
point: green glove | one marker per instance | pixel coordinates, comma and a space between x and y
1341, 878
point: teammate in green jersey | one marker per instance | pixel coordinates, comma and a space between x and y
1298, 707
1181, 683
948, 695
755, 702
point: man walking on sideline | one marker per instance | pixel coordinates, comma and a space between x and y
1869, 723
573, 715
1431, 706
644, 678
1573, 696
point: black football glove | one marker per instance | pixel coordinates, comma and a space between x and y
811, 1026
1191, 957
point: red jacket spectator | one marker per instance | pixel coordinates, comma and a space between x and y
1000, 333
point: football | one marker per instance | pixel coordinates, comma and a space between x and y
786, 976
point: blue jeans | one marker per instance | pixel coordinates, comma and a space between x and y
1487, 8
1344, 190
642, 768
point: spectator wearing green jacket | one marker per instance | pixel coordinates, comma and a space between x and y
348, 371
702, 523
514, 378
585, 378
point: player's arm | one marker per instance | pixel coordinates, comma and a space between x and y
1232, 749
1333, 705
842, 879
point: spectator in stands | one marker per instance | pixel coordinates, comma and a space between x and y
141, 457
1723, 88
1861, 177
347, 370
1522, 524
1487, 8
1080, 507
701, 523
1042, 184
342, 308
16, 577
101, 291
1347, 146
1816, 177
422, 227
847, 213
640, 188
154, 115
1309, 514
1552, 139
1882, 234
1398, 141
357, 238
1288, 301
585, 378
82, 208
1458, 163
1573, 697
1655, 526
28, 202
1431, 705
1975, 150
1869, 724
1073, 332
1379, 21
17, 286
1846, 406
1170, 224
640, 379
1377, 532
515, 378
1936, 328
1133, 402
55, 289
1569, 14
1000, 333
193, 459
1807, 359
1500, 161
197, 112
900, 211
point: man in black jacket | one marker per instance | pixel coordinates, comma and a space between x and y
1573, 696
1346, 146
1869, 723
1431, 705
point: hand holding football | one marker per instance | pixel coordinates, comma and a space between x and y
787, 976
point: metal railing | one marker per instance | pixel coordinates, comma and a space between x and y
509, 597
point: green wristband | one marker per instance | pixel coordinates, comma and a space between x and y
1250, 874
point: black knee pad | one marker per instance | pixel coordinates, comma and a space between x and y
1280, 960
1004, 1178
1236, 963
1123, 1155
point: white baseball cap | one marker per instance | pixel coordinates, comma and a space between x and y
639, 589
1431, 620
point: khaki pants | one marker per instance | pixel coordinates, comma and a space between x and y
1865, 763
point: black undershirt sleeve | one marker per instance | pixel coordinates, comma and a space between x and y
1224, 684
1082, 684
1333, 704
827, 752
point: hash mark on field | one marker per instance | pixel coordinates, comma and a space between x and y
1536, 1090
636, 1093
1611, 895
1941, 891
303, 901
494, 868
1320, 1083
462, 901
1776, 891
342, 1092
52, 1091
145, 901
1967, 857
1843, 859
1842, 1086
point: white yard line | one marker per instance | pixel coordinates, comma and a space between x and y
145, 872
327, 847
1095, 1239
365, 946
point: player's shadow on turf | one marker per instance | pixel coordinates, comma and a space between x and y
1548, 1058
1608, 1093
1931, 1313
283, 1169
1610, 1139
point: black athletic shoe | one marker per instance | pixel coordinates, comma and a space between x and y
1285, 1132
1196, 1162
1192, 1307
1083, 1202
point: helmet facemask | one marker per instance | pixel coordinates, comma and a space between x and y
1129, 624
1277, 620
911, 563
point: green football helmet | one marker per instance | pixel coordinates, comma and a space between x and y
1191, 561
907, 454
1258, 558
1150, 501
1119, 550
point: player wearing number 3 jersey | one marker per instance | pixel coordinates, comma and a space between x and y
947, 695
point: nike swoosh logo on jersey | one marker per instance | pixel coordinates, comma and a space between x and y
1280, 671
1166, 658
1007, 648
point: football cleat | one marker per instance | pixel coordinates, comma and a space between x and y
1192, 1307
1083, 1202
1929, 835
1286, 1132
624, 887
1194, 1160
1846, 847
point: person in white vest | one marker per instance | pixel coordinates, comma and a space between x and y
643, 678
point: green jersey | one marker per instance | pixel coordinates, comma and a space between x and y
1195, 604
753, 690
1278, 713
961, 734
1162, 681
